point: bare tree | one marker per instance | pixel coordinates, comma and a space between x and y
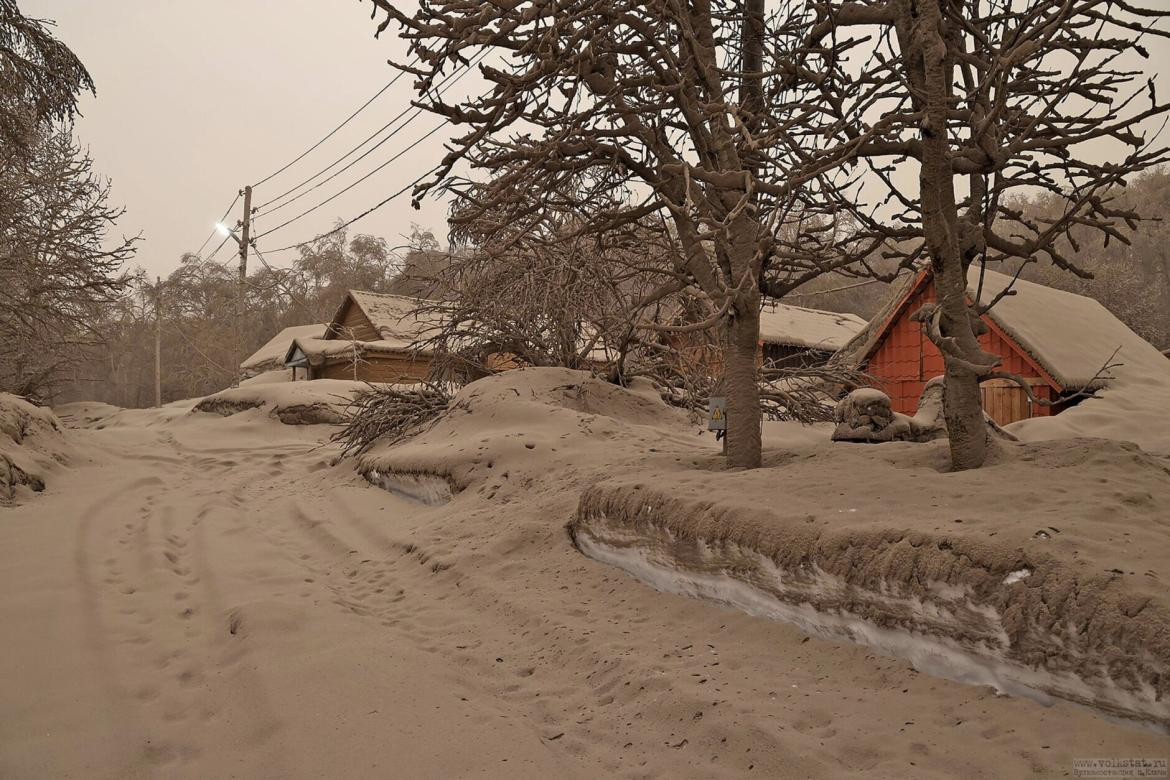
533, 289
638, 109
40, 79
985, 99
56, 268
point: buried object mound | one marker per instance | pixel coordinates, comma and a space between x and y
1041, 574
320, 402
865, 415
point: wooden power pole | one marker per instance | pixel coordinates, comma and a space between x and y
242, 297
158, 341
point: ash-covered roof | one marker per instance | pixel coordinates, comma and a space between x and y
323, 350
271, 355
1070, 335
393, 316
781, 323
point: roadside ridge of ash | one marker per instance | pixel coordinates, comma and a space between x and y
293, 403
226, 407
316, 413
958, 605
31, 445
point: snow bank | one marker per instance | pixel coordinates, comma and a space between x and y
944, 632
501, 433
293, 403
1046, 584
31, 445
1135, 406
425, 488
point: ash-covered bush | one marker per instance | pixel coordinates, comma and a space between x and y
389, 413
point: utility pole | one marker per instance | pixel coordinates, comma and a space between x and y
242, 298
158, 341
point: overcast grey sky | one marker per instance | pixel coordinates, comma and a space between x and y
197, 98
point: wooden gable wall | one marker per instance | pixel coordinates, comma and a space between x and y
905, 360
351, 323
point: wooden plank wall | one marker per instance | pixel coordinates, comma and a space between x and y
354, 325
388, 368
1005, 401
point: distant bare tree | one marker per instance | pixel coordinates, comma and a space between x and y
533, 289
56, 268
329, 267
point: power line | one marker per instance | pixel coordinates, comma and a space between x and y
216, 252
227, 211
355, 161
290, 190
332, 132
337, 194
447, 82
364, 214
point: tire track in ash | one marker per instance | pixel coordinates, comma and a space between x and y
168, 620
220, 636
212, 626
461, 641
357, 579
102, 588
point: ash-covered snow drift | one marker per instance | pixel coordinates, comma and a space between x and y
936, 605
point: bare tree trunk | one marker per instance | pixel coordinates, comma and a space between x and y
740, 353
742, 389
962, 406
741, 342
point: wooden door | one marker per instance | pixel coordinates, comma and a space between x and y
1005, 401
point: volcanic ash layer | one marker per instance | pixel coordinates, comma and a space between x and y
1026, 623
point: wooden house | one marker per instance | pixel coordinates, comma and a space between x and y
790, 337
270, 357
1056, 340
372, 338
793, 336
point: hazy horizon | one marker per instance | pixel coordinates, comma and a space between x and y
240, 93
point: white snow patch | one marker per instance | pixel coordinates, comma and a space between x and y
932, 654
1016, 576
